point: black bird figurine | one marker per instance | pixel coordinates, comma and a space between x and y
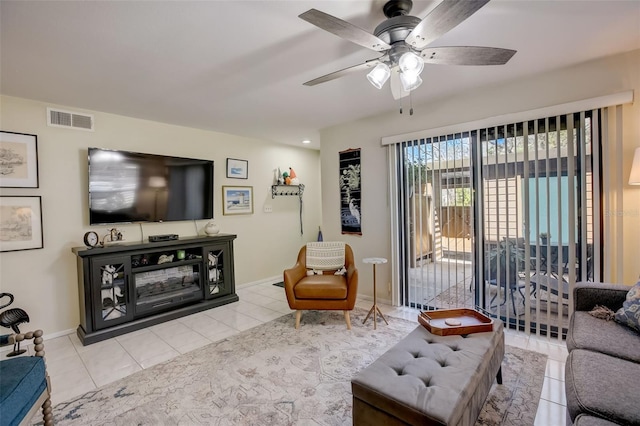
11, 318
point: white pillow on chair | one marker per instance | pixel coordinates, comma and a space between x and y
325, 255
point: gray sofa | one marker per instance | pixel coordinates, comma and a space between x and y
602, 375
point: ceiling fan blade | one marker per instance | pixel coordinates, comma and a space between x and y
337, 74
344, 30
443, 18
467, 55
397, 90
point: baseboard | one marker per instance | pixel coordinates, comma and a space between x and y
378, 299
49, 336
46, 336
270, 280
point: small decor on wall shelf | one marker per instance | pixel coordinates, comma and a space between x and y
20, 223
18, 160
211, 228
237, 200
237, 169
286, 178
293, 178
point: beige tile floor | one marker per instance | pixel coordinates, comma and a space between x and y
76, 369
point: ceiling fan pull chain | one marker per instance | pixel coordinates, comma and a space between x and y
410, 104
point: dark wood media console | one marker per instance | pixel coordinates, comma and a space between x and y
129, 286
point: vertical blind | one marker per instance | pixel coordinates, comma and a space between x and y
504, 218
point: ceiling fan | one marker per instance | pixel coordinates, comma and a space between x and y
403, 41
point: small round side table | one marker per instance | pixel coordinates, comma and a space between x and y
375, 261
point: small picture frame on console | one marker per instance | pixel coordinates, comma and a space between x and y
237, 169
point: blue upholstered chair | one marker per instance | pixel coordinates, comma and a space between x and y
24, 383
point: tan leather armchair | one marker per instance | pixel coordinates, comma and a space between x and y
321, 292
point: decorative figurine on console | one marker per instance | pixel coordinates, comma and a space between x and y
107, 274
165, 258
211, 228
114, 235
213, 270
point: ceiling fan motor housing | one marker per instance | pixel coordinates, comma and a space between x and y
396, 29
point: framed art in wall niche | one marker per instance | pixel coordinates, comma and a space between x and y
237, 169
18, 160
237, 200
20, 223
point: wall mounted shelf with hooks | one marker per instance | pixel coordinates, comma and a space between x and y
284, 190
288, 190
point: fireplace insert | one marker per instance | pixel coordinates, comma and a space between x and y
166, 288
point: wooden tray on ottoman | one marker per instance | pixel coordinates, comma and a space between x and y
467, 321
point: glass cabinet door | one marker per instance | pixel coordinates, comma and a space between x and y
218, 283
111, 295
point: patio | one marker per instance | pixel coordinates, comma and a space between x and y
449, 283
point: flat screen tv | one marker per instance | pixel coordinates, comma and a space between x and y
129, 187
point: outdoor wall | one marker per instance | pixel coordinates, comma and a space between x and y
592, 79
44, 281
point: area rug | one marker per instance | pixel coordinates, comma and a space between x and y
274, 374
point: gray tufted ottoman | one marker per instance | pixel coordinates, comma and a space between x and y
429, 380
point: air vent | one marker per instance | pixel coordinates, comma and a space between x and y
73, 120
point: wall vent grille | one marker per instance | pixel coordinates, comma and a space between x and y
69, 119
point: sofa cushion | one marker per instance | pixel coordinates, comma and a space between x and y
629, 314
588, 332
602, 386
587, 420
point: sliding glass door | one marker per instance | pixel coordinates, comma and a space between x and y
502, 219
438, 221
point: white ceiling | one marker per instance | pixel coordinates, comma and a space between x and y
238, 66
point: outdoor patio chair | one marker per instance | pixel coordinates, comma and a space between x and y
504, 264
551, 284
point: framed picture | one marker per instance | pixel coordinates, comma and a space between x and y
18, 160
237, 169
20, 223
237, 200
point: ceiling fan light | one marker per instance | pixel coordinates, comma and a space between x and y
411, 64
379, 75
410, 82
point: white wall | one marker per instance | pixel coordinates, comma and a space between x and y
44, 281
597, 78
